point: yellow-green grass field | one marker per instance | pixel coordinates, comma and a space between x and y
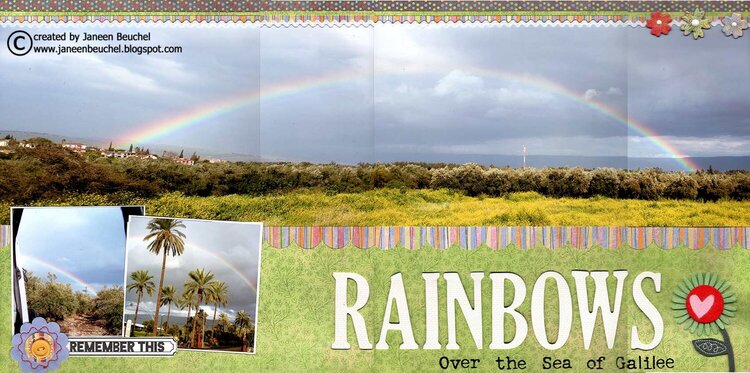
296, 315
295, 319
427, 207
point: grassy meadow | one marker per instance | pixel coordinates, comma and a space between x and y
295, 330
425, 207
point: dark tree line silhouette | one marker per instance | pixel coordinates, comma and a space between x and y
49, 172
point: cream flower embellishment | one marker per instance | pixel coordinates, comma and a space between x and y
733, 25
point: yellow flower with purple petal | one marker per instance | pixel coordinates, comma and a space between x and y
40, 346
733, 25
695, 23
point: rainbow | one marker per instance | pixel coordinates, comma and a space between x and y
190, 247
166, 126
79, 281
237, 271
557, 88
201, 114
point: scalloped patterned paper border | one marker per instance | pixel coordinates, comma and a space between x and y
496, 237
501, 237
386, 11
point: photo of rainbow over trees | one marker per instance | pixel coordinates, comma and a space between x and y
71, 261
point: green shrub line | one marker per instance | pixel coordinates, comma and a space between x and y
56, 301
49, 172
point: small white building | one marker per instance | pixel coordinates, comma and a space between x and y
76, 147
186, 162
4, 143
117, 154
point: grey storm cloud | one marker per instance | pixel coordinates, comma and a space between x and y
106, 96
683, 89
391, 91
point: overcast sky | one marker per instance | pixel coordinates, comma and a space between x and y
82, 246
229, 250
398, 92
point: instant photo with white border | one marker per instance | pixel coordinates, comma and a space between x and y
82, 266
235, 262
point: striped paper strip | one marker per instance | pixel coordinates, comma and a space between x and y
5, 235
501, 237
496, 237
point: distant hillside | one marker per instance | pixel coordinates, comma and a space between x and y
542, 161
23, 135
500, 160
155, 149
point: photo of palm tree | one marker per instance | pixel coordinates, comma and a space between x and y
194, 280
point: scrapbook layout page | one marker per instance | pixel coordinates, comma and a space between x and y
375, 186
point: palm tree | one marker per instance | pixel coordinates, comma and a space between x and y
199, 282
223, 322
167, 298
219, 297
166, 239
208, 296
200, 316
186, 300
141, 281
179, 302
242, 321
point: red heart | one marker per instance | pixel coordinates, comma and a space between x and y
705, 304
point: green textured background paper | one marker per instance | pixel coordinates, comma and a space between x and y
295, 325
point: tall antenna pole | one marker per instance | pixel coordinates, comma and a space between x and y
524, 156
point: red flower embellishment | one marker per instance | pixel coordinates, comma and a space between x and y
705, 304
659, 24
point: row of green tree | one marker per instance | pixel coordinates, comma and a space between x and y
55, 301
200, 288
50, 172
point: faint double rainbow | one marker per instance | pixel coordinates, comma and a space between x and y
165, 126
